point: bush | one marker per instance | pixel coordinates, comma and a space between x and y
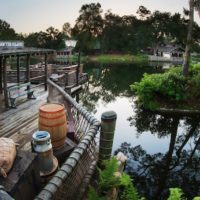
170, 86
107, 181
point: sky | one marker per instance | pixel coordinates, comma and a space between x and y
27, 16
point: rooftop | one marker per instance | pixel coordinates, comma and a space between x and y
25, 51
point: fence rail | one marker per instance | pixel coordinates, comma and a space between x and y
69, 180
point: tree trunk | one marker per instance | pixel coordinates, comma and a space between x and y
189, 39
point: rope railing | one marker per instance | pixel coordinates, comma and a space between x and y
67, 182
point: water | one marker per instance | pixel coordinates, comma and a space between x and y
162, 150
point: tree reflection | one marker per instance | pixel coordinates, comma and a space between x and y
178, 167
111, 81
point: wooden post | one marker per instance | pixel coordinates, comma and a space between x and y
18, 70
1, 80
28, 68
78, 67
108, 122
45, 71
28, 72
5, 83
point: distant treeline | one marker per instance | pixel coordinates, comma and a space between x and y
109, 32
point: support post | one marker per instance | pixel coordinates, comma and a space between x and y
45, 72
108, 122
78, 67
18, 70
5, 83
1, 79
28, 68
28, 72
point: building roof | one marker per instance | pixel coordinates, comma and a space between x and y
170, 48
24, 51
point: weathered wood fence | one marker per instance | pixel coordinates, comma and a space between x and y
71, 179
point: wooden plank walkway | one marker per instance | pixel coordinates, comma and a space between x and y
19, 124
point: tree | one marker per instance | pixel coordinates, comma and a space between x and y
143, 12
88, 27
6, 32
52, 39
37, 40
66, 29
189, 38
178, 166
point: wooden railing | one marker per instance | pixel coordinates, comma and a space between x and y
70, 180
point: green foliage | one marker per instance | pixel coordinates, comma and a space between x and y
51, 39
170, 86
88, 27
107, 178
146, 88
116, 58
6, 32
129, 191
92, 195
176, 194
173, 84
108, 181
195, 67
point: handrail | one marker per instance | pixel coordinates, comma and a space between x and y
85, 113
67, 181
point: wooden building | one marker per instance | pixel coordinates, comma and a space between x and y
169, 51
5, 54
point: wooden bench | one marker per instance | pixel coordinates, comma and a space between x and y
20, 90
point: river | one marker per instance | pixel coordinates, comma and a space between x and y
162, 150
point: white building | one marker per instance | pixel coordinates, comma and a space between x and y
169, 51
70, 43
12, 44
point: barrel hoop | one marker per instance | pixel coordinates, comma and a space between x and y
51, 112
55, 125
57, 117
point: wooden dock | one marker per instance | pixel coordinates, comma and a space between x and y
19, 124
75, 160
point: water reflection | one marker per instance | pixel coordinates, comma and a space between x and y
179, 166
163, 150
108, 82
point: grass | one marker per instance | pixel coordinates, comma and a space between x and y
109, 58
118, 58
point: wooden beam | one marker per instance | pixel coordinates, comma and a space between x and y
78, 67
1, 80
28, 72
5, 83
18, 70
28, 68
45, 71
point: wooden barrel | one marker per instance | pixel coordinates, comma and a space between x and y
52, 118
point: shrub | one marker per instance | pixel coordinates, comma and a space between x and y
129, 192
107, 181
170, 86
175, 194
107, 178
